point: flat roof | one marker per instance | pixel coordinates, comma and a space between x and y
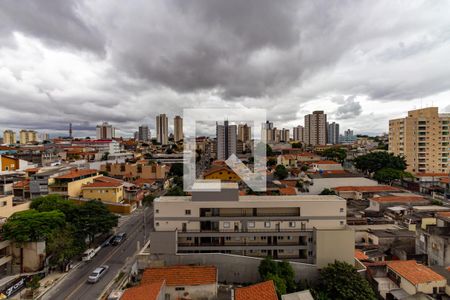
260, 198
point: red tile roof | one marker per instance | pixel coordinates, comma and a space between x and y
181, 275
445, 180
360, 255
407, 199
77, 173
376, 188
326, 162
149, 291
288, 191
414, 272
431, 175
261, 291
444, 214
102, 184
141, 181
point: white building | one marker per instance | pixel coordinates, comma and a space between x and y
333, 133
178, 128
299, 133
105, 131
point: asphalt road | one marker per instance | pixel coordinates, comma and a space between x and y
74, 285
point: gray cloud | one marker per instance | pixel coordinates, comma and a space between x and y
349, 109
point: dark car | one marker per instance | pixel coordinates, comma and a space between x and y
119, 238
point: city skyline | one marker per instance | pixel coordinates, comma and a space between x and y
87, 71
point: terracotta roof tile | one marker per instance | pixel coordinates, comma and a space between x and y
288, 191
414, 272
77, 173
326, 162
431, 174
445, 180
360, 255
376, 188
261, 291
149, 291
181, 275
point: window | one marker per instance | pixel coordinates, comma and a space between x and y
341, 209
289, 238
251, 224
226, 224
187, 212
188, 238
264, 238
267, 224
179, 288
291, 224
157, 224
157, 211
341, 222
252, 238
227, 238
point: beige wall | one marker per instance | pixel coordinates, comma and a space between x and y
106, 194
7, 208
334, 245
205, 291
74, 187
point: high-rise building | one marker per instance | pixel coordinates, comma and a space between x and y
162, 129
348, 137
244, 133
143, 133
70, 130
9, 137
178, 128
105, 131
27, 136
333, 133
299, 133
316, 128
423, 137
268, 131
226, 140
284, 135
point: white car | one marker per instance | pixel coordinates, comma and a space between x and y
97, 274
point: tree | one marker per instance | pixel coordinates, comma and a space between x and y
341, 280
148, 200
267, 266
326, 191
34, 284
281, 273
375, 161
280, 172
286, 272
297, 145
94, 218
62, 245
278, 282
56, 202
389, 175
176, 170
271, 162
304, 168
32, 225
269, 151
337, 154
175, 191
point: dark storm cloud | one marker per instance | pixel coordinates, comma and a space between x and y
58, 22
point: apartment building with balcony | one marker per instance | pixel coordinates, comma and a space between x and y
423, 137
302, 228
133, 171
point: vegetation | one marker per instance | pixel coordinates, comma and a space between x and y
176, 170
269, 151
341, 281
63, 225
389, 175
375, 161
337, 154
280, 172
148, 200
175, 191
327, 192
271, 162
297, 145
281, 273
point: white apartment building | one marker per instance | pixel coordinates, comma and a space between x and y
309, 229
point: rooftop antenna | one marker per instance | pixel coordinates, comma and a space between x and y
70, 130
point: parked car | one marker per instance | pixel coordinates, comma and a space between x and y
97, 274
119, 238
108, 241
90, 253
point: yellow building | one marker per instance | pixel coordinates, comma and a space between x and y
9, 137
27, 136
105, 189
8, 207
133, 171
8, 163
423, 138
70, 184
224, 174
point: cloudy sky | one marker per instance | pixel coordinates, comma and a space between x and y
85, 62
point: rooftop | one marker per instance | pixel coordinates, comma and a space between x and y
77, 173
261, 291
261, 198
104, 181
376, 188
326, 162
402, 199
360, 255
431, 175
414, 272
149, 291
181, 275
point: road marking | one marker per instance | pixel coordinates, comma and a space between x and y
134, 232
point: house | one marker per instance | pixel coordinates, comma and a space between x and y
294, 160
222, 173
197, 282
105, 189
261, 291
9, 163
362, 192
70, 184
133, 171
148, 291
379, 204
8, 206
415, 278
326, 165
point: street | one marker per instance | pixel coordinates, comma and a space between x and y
74, 285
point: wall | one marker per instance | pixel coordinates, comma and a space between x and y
205, 291
106, 194
231, 268
7, 208
74, 187
33, 256
334, 245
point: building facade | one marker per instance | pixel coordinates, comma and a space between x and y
162, 129
299, 133
9, 137
27, 136
309, 229
226, 140
105, 131
143, 133
333, 133
316, 128
423, 138
178, 129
